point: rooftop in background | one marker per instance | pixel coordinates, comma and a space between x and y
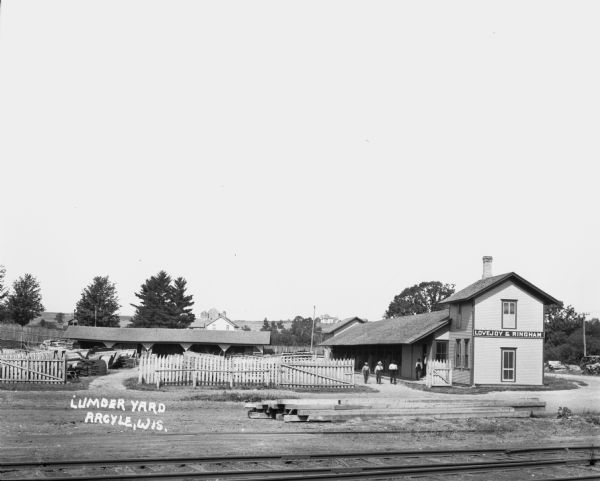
397, 330
195, 336
488, 283
338, 325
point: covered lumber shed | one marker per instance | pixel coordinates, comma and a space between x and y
401, 339
171, 341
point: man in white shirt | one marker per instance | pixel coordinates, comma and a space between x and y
393, 368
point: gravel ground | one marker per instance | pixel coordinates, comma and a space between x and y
42, 425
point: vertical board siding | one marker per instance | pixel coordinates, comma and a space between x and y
211, 370
44, 367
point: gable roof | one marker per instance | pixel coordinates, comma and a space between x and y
397, 330
221, 316
329, 328
484, 285
159, 336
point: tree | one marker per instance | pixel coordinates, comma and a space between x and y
99, 304
163, 303
181, 308
59, 319
420, 298
25, 301
266, 326
564, 335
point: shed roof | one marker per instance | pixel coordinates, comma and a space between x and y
484, 285
195, 336
329, 328
397, 330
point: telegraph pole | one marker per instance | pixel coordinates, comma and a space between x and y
584, 346
312, 332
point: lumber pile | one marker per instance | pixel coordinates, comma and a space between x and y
91, 367
336, 410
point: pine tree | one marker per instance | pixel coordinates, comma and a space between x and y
181, 304
163, 303
99, 304
25, 302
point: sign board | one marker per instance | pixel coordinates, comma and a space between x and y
517, 334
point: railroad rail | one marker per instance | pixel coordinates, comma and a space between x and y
551, 463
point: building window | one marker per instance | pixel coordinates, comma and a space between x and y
509, 364
441, 350
459, 317
509, 314
457, 354
466, 356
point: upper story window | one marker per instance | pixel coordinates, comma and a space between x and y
459, 317
509, 314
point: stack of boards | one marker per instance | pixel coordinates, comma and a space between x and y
332, 410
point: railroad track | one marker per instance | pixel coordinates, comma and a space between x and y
541, 463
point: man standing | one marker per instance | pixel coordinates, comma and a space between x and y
419, 368
393, 368
378, 371
365, 371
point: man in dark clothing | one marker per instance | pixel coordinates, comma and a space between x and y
419, 368
365, 371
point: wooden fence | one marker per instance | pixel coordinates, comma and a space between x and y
439, 373
33, 367
29, 335
274, 371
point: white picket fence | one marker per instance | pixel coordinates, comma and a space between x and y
209, 370
44, 367
439, 373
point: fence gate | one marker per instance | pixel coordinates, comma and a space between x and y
43, 368
439, 373
310, 374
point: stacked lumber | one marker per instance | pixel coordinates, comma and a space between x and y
91, 367
332, 410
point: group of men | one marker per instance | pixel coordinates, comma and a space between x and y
392, 369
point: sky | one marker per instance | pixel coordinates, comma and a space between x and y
285, 155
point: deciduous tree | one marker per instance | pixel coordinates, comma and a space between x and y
25, 301
420, 298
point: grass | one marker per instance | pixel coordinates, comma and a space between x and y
80, 385
551, 383
132, 383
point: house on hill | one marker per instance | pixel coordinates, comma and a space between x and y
220, 323
491, 332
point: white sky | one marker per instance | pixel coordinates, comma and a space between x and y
281, 155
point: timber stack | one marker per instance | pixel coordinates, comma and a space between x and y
337, 410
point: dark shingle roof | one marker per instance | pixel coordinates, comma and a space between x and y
195, 336
328, 328
484, 285
397, 330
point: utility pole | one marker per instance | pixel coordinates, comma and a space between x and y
584, 343
312, 332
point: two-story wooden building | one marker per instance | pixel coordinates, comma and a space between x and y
496, 333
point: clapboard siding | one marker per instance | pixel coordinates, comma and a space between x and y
461, 328
488, 360
488, 308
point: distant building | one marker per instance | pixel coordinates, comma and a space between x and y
339, 327
327, 319
221, 323
211, 315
